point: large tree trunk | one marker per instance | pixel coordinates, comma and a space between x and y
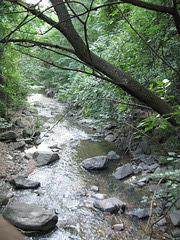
117, 76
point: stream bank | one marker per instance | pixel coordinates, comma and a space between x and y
71, 190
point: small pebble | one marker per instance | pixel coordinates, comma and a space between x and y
118, 227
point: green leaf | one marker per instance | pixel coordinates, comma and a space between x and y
137, 137
122, 107
160, 82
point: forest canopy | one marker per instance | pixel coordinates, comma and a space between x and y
125, 51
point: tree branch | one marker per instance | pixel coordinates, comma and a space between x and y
150, 6
63, 48
60, 47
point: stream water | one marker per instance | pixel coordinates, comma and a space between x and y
65, 184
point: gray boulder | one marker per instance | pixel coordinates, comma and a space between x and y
148, 160
110, 205
17, 145
21, 182
113, 156
162, 222
110, 138
176, 233
140, 213
19, 123
95, 163
124, 171
29, 217
175, 218
27, 132
8, 135
153, 167
44, 158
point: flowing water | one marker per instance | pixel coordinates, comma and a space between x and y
65, 184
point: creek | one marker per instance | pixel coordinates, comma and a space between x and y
65, 184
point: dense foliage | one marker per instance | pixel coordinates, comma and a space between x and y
16, 72
143, 43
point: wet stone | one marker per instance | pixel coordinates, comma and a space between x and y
123, 171
113, 156
153, 167
175, 218
21, 182
137, 170
141, 184
162, 222
159, 210
110, 205
176, 233
95, 163
29, 217
94, 188
42, 158
142, 166
110, 138
17, 145
140, 213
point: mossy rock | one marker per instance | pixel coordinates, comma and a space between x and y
8, 135
27, 132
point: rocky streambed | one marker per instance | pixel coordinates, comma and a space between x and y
73, 181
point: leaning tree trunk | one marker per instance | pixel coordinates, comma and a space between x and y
117, 76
